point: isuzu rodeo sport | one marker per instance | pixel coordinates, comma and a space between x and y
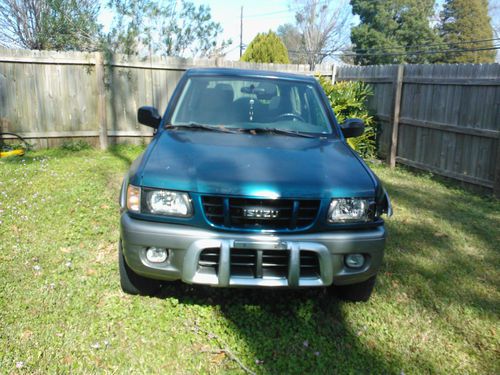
249, 182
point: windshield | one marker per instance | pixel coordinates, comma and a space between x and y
251, 103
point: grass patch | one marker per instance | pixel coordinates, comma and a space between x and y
434, 310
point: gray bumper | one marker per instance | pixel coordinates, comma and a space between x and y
187, 243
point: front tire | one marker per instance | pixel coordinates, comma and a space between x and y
133, 283
359, 292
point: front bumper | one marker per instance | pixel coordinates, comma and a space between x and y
187, 243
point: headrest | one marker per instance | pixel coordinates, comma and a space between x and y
226, 90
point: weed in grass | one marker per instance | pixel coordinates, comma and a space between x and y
76, 145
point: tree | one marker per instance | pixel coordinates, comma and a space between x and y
321, 29
292, 39
266, 48
160, 27
463, 21
50, 24
390, 30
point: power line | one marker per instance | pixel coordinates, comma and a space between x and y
429, 45
353, 54
270, 13
385, 52
366, 50
425, 52
289, 10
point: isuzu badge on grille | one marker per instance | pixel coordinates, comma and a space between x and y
260, 213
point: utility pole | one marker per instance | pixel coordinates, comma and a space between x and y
241, 32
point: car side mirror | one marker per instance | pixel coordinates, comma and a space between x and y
352, 127
148, 116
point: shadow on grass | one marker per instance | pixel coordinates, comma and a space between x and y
289, 331
298, 331
441, 256
120, 153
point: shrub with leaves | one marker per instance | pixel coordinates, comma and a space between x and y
77, 145
348, 100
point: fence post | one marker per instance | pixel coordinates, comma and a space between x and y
398, 89
334, 73
496, 177
101, 100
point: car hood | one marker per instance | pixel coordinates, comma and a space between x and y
261, 165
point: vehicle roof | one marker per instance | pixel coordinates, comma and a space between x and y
230, 72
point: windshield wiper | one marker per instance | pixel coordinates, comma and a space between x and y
194, 125
277, 131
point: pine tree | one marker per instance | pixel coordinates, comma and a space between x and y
266, 48
396, 27
463, 21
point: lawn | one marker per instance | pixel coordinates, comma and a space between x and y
435, 308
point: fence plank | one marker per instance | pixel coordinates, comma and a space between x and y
398, 89
486, 133
101, 100
496, 178
456, 176
448, 117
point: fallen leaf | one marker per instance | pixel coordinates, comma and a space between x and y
26, 334
217, 358
68, 360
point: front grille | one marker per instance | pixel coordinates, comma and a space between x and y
259, 263
243, 262
256, 263
309, 264
269, 214
209, 260
275, 263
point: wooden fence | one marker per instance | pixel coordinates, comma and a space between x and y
441, 118
49, 96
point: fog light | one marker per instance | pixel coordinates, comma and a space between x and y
156, 254
354, 260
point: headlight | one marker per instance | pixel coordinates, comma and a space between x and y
166, 202
348, 210
134, 198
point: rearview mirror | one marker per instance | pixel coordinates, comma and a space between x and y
148, 116
352, 127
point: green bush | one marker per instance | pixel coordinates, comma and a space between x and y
78, 145
348, 100
266, 48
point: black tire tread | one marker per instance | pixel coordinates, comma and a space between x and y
359, 292
132, 283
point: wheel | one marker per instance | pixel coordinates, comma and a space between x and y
133, 283
289, 115
359, 292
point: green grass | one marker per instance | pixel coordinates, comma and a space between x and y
434, 310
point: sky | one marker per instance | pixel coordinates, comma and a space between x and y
261, 16
258, 16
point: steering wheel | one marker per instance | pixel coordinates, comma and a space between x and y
291, 115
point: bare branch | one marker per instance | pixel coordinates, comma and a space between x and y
322, 28
224, 350
49, 24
